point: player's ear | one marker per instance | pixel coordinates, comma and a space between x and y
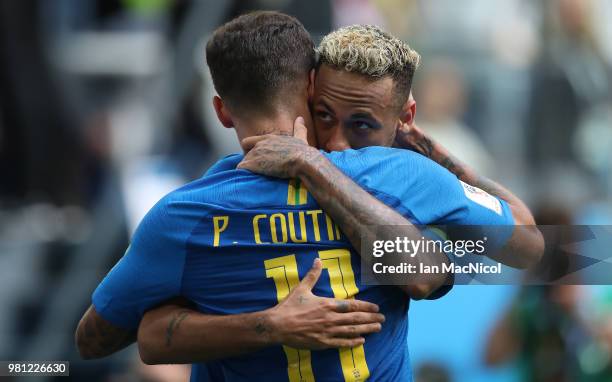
223, 114
408, 110
311, 82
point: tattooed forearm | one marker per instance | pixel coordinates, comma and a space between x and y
425, 146
174, 325
493, 188
413, 138
526, 245
359, 213
173, 334
342, 199
95, 337
454, 167
261, 326
469, 176
416, 140
445, 159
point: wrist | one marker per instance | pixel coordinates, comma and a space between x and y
304, 161
268, 324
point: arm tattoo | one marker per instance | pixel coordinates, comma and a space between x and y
450, 165
330, 197
492, 188
425, 146
261, 326
174, 324
464, 173
358, 213
352, 208
96, 337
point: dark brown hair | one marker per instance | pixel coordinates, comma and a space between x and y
255, 59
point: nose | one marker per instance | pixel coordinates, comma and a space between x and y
337, 140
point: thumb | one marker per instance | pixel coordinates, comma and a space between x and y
313, 275
299, 129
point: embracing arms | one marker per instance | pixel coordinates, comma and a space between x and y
358, 213
302, 320
526, 246
353, 209
176, 333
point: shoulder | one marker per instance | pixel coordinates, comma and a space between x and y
177, 207
398, 164
229, 189
226, 163
376, 155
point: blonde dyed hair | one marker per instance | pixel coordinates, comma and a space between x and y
370, 51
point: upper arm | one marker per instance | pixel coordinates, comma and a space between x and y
420, 189
436, 196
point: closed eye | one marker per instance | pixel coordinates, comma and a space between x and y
324, 116
361, 126
362, 123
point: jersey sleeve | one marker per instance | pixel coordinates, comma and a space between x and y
428, 194
149, 273
425, 191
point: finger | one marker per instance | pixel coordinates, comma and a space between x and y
339, 342
357, 318
246, 162
244, 165
312, 276
344, 306
250, 142
354, 331
299, 129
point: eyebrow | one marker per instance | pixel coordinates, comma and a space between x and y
362, 115
325, 105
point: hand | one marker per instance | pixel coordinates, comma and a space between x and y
411, 137
305, 321
277, 155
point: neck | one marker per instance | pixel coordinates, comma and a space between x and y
281, 123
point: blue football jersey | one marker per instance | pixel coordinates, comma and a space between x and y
236, 242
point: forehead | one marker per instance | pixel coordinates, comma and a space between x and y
346, 89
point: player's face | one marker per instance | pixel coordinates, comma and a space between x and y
353, 111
